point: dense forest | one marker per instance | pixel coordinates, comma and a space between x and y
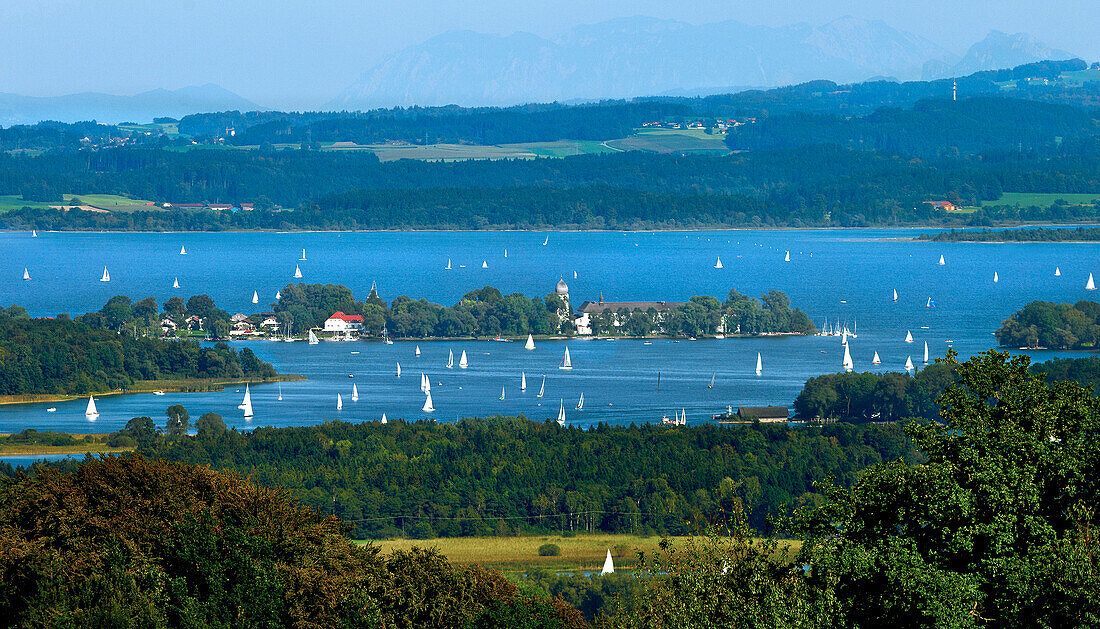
1037, 234
507, 476
62, 356
1053, 326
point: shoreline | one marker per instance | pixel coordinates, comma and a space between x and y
147, 386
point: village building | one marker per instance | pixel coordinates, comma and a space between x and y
583, 320
343, 323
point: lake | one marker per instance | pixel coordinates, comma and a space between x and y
838, 275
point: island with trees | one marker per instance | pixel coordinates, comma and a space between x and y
1044, 324
1035, 234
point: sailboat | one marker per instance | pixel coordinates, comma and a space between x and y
995, 277
759, 364
450, 360
303, 258
107, 276
561, 412
280, 398
26, 275
522, 381
574, 275
313, 338
354, 393
942, 261
530, 344
718, 264
580, 403
847, 362
484, 264
92, 411
908, 336
417, 352
844, 337
542, 389
926, 352
427, 383
876, 360
608, 564
428, 408
501, 393
398, 370
505, 253
384, 420
423, 379
895, 294
255, 297
246, 405
711, 385
448, 267
34, 234
339, 402
931, 303
909, 363
565, 362
546, 241
278, 294
176, 283
1090, 285
1057, 272
787, 258
297, 272
462, 362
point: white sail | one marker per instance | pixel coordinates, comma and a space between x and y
106, 276
448, 267
522, 381
542, 389
718, 264
313, 338
908, 336
27, 276
847, 362
176, 283
580, 403
280, 398
183, 250
91, 412
574, 275
546, 241
501, 392
303, 258
427, 384
941, 262
297, 271
909, 363
339, 402
759, 364
278, 294
711, 385
255, 297
484, 264
844, 337
505, 253
384, 420
787, 258
428, 408
608, 564
34, 234
1057, 272
561, 412
417, 352
565, 362
876, 360
354, 393
246, 405
996, 278
462, 362
1090, 285
895, 294
450, 360
423, 379
926, 352
398, 370
530, 342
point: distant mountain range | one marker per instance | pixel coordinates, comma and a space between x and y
108, 108
640, 56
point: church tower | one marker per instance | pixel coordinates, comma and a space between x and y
565, 311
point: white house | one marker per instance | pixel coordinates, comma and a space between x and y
340, 322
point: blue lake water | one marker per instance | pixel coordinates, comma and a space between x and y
844, 275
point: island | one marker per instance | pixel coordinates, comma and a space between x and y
1047, 325
1034, 234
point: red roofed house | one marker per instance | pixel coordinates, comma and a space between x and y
340, 322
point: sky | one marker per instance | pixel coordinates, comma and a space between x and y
295, 55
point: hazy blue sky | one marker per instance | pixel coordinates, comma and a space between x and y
297, 54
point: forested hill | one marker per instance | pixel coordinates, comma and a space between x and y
503, 476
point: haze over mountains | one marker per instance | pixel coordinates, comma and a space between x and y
112, 109
642, 56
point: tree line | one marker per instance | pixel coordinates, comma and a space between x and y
1034, 234
1054, 326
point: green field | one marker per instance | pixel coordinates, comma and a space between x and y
671, 141
1081, 76
1042, 199
110, 202
563, 148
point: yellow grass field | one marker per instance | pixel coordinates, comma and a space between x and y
84, 445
